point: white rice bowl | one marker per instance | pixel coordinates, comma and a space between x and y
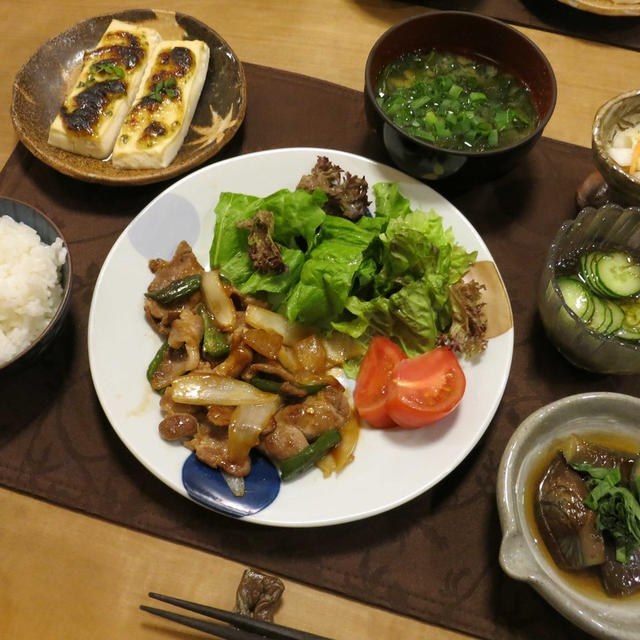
30, 287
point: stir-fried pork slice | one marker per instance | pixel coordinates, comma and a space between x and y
283, 442
183, 264
160, 316
271, 369
327, 409
276, 370
211, 446
219, 415
183, 354
169, 407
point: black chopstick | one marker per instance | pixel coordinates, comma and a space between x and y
242, 622
219, 630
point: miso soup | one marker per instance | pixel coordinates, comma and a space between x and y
456, 102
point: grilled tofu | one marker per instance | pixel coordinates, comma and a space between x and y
91, 116
160, 117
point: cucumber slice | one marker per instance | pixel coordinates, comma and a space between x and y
618, 274
617, 316
577, 297
601, 318
626, 333
589, 272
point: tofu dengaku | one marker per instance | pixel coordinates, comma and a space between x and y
158, 122
91, 115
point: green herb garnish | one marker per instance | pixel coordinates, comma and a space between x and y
164, 88
106, 68
618, 509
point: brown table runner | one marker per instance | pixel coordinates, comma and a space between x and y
552, 15
434, 558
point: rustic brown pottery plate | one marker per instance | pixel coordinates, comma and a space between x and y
43, 81
606, 7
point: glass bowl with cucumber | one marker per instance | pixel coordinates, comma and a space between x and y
589, 294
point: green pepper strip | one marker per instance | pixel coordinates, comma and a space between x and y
157, 359
305, 459
177, 289
214, 341
274, 386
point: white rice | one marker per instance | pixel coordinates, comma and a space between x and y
30, 289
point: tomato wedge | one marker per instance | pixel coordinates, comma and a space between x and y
370, 393
425, 389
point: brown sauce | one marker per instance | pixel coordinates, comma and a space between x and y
586, 580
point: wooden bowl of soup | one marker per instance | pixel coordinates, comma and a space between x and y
457, 97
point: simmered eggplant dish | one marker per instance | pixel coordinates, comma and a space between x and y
587, 509
234, 375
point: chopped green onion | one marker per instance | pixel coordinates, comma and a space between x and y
455, 102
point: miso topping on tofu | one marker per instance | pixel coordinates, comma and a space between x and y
103, 81
165, 103
161, 110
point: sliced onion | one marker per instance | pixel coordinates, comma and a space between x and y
311, 354
287, 358
262, 318
235, 483
340, 347
217, 300
342, 454
266, 343
208, 388
247, 423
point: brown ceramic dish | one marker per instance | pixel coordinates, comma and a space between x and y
474, 36
41, 84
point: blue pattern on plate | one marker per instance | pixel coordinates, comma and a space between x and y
207, 486
174, 219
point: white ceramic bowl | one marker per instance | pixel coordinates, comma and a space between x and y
522, 555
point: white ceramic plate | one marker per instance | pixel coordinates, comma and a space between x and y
390, 467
